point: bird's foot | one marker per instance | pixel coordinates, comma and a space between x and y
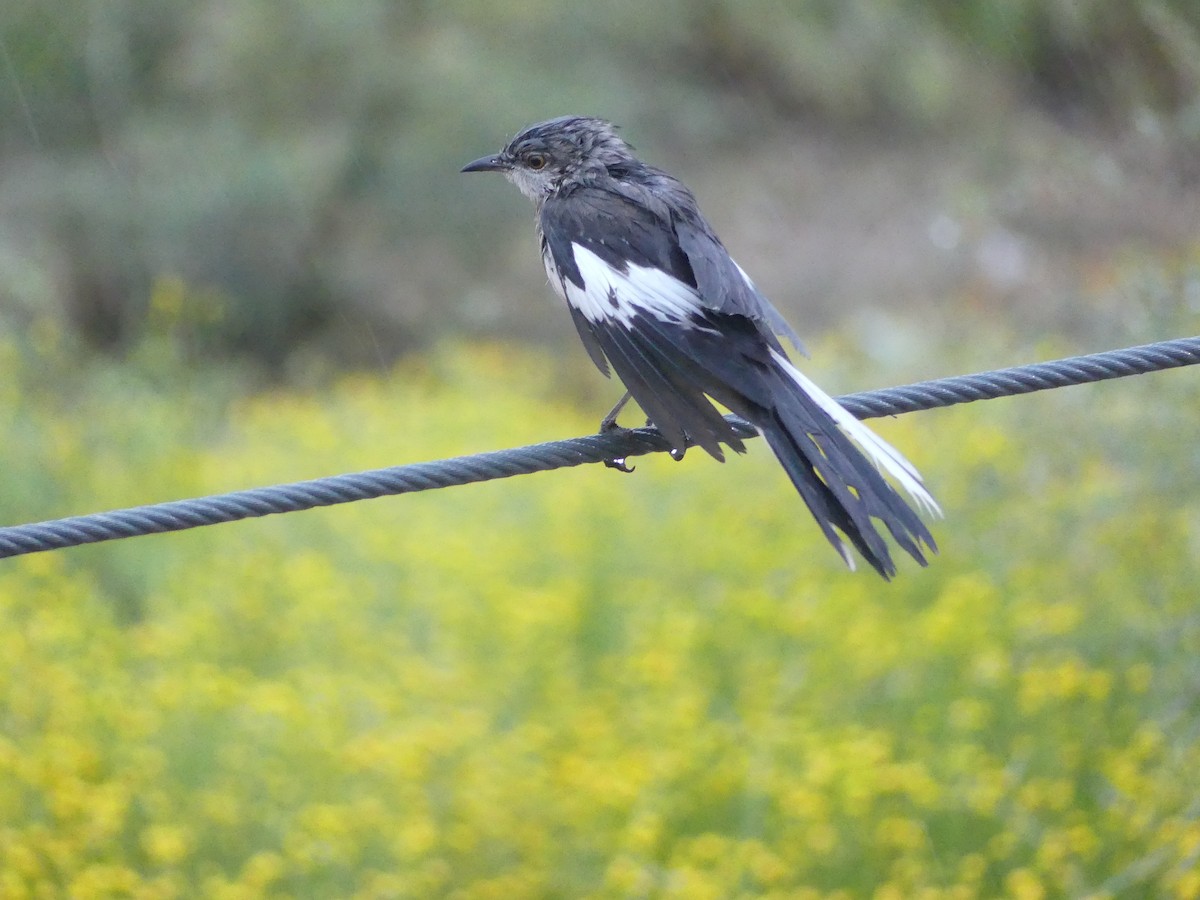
619, 464
677, 453
609, 423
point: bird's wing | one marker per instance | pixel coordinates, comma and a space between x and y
721, 282
615, 228
624, 277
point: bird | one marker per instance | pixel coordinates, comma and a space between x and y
657, 299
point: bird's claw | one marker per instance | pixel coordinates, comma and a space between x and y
677, 453
619, 464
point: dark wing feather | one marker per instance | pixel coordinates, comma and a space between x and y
615, 229
594, 350
674, 404
723, 287
629, 222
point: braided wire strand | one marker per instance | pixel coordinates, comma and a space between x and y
178, 515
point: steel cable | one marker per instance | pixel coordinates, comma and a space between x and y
178, 515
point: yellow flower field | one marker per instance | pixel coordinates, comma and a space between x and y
583, 684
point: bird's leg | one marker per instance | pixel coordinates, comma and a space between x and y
609, 422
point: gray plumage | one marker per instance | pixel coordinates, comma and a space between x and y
655, 295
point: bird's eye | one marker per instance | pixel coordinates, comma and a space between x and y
535, 161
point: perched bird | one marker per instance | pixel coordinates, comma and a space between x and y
655, 295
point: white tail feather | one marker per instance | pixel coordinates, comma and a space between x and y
879, 451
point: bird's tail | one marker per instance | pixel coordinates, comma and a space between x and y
835, 462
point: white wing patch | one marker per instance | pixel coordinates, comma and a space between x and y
608, 294
880, 452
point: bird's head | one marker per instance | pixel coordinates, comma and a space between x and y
544, 156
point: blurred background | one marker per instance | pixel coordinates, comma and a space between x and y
292, 170
235, 250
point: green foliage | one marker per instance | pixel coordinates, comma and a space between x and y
585, 684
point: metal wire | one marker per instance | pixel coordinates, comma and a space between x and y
178, 515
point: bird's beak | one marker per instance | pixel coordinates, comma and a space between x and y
493, 163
